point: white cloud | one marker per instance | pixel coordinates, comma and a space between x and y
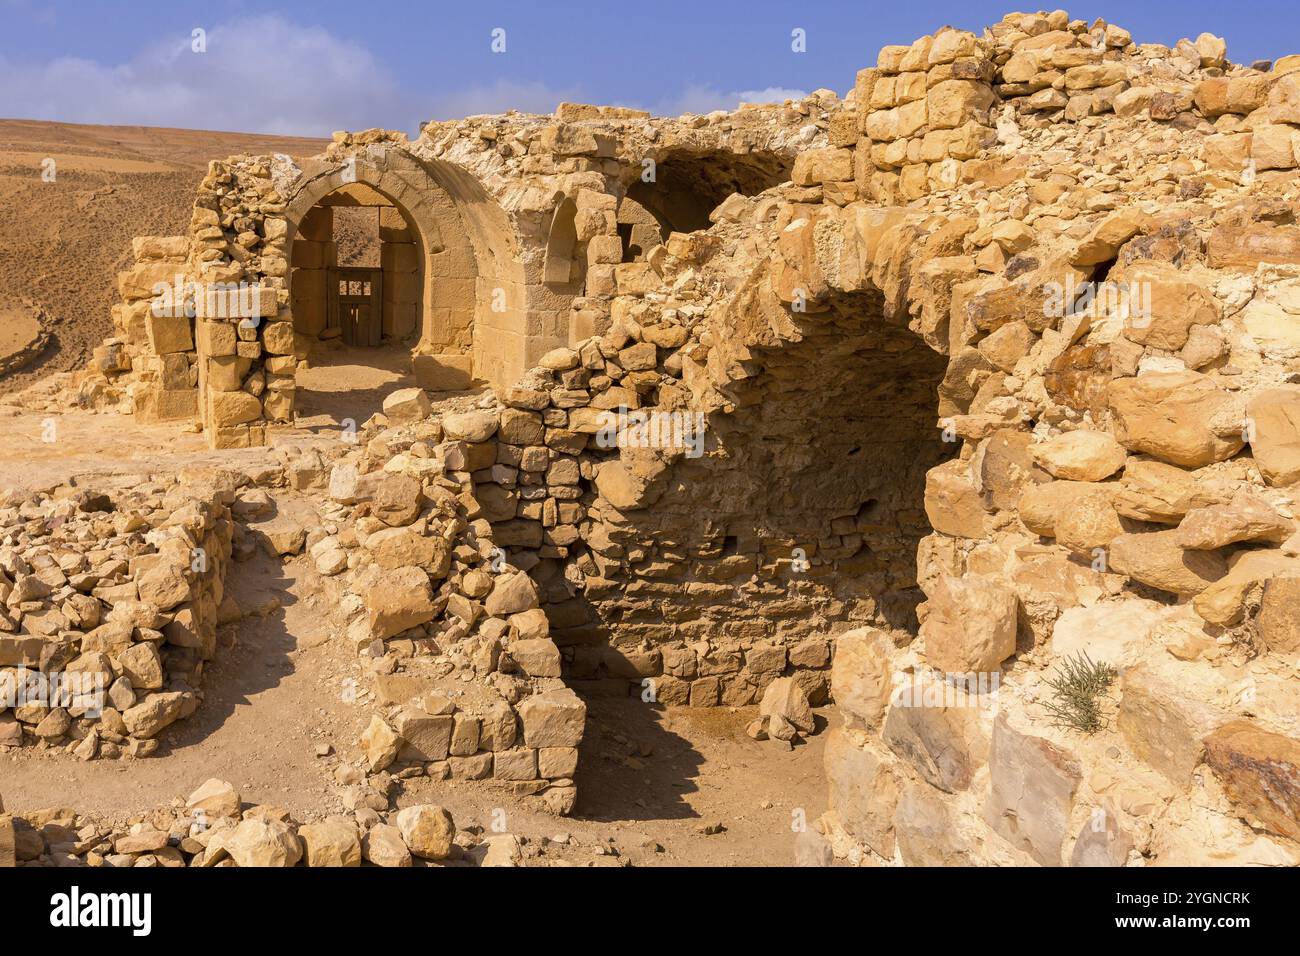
261, 74
267, 74
705, 99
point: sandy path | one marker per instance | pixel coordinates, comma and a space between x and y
271, 695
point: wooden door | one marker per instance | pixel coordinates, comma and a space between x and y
357, 304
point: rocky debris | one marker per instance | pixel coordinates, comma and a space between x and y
334, 841
215, 799
262, 841
784, 713
380, 744
109, 613
263, 836
428, 831
383, 845
407, 405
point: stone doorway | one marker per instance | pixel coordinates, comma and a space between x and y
358, 278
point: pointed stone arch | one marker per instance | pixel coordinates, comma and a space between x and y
561, 244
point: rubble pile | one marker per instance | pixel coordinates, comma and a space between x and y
111, 604
214, 827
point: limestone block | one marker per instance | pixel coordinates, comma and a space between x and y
277, 338
863, 789
333, 841
401, 600
1169, 415
828, 165
555, 718
263, 842
226, 373
954, 102
1247, 517
1274, 147
232, 408
145, 279
970, 625
927, 831
1156, 559
1242, 248
169, 333
427, 830
952, 503
1080, 455
407, 405
1164, 304
1163, 724
862, 676
935, 726
1031, 792
1261, 772
1274, 417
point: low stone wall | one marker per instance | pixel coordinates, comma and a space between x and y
111, 604
466, 678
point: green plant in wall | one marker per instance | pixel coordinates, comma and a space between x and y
1077, 689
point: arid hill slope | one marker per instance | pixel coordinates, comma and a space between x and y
63, 242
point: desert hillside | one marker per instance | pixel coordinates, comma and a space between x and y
64, 241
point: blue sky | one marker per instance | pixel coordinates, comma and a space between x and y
312, 66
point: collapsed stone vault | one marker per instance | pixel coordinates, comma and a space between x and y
914, 466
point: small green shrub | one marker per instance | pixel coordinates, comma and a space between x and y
1076, 692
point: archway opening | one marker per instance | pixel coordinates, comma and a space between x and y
829, 448
357, 272
802, 518
682, 189
479, 316
357, 290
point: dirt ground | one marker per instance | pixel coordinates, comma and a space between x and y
348, 383
19, 329
656, 785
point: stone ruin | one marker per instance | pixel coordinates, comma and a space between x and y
903, 401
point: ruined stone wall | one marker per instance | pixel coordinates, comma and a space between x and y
1015, 337
1117, 491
